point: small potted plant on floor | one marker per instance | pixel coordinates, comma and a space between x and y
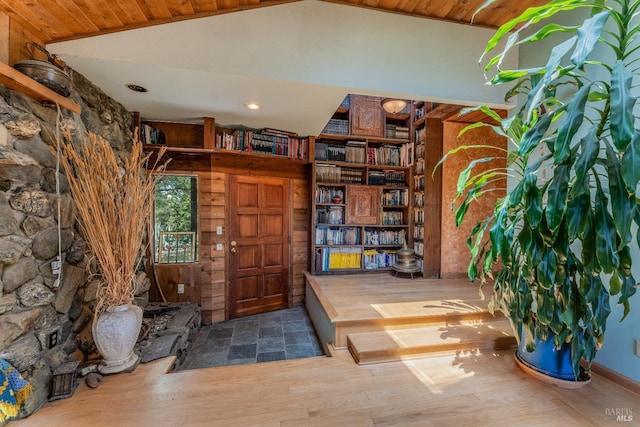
113, 203
557, 248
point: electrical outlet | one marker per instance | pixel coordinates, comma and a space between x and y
181, 288
218, 246
637, 348
219, 230
52, 340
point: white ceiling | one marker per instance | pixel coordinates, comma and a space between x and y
297, 60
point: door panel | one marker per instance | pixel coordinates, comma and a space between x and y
259, 277
272, 255
247, 289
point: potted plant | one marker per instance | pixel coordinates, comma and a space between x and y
557, 247
113, 203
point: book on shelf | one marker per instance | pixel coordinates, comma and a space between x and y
262, 142
391, 155
337, 127
327, 194
152, 135
326, 235
338, 258
356, 152
379, 258
375, 236
395, 197
330, 215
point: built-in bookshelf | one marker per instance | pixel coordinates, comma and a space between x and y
361, 186
263, 141
419, 179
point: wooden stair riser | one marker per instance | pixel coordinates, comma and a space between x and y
342, 329
381, 356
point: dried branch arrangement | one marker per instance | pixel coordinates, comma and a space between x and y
113, 203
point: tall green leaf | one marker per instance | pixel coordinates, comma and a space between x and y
589, 147
605, 234
630, 163
588, 36
622, 203
557, 196
577, 215
532, 137
571, 124
532, 200
622, 103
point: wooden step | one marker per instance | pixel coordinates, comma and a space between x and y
431, 318
398, 343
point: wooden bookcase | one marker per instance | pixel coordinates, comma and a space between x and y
360, 189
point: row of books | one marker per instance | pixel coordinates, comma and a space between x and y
384, 237
420, 147
327, 194
418, 183
337, 258
420, 135
392, 217
391, 177
337, 236
395, 197
418, 215
266, 141
418, 200
330, 215
152, 135
379, 258
356, 152
337, 127
396, 132
419, 166
418, 248
418, 232
391, 155
338, 174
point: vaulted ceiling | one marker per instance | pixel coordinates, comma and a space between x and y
69, 19
298, 58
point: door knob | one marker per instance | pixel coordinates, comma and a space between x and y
234, 250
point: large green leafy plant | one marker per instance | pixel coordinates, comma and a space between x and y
557, 247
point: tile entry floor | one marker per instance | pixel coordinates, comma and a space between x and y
277, 335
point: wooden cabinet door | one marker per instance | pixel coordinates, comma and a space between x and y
363, 205
366, 116
259, 245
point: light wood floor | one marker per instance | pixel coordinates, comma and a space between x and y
465, 388
482, 389
378, 296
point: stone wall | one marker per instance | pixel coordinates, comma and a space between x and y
45, 320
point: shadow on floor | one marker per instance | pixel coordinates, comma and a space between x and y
277, 335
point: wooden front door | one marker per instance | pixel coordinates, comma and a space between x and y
259, 245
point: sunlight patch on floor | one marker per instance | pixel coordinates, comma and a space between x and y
439, 373
422, 308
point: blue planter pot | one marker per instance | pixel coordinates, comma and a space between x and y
549, 364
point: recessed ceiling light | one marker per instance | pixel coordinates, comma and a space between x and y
252, 105
136, 88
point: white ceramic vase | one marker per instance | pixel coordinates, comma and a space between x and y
115, 333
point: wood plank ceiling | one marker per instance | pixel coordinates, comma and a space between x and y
59, 20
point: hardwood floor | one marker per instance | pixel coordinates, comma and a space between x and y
460, 388
476, 389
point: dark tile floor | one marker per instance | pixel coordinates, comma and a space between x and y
277, 335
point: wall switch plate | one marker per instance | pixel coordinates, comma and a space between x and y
219, 230
637, 348
181, 288
218, 246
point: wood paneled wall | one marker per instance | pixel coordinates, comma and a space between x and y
455, 254
300, 238
13, 37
